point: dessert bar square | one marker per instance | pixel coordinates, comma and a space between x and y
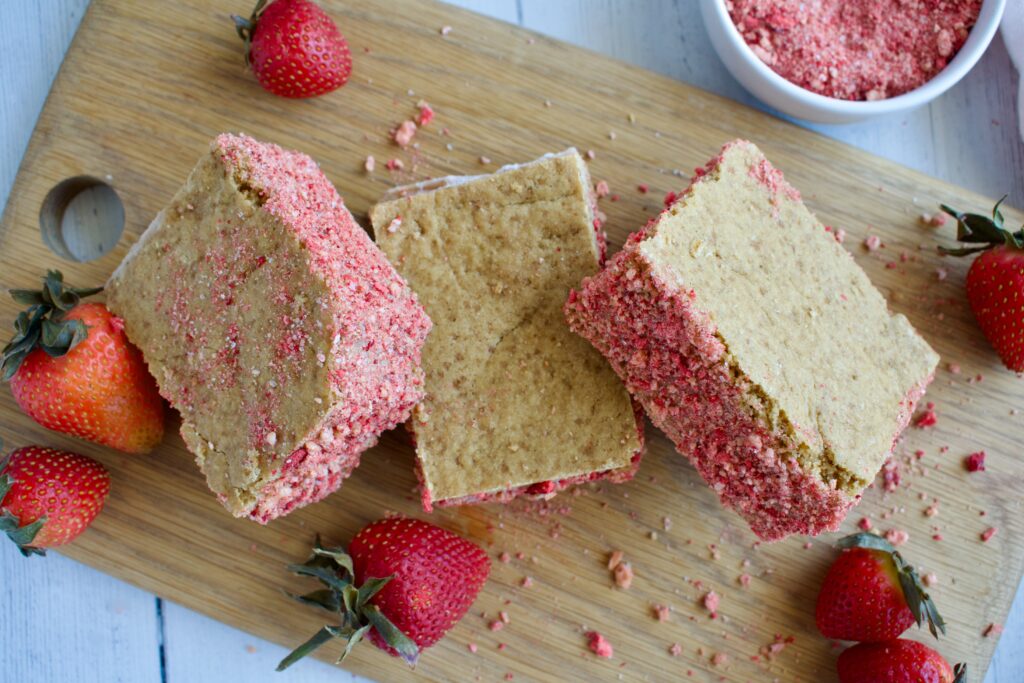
515, 402
273, 324
756, 343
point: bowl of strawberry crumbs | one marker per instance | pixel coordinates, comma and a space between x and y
839, 61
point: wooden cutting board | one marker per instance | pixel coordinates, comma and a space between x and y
144, 88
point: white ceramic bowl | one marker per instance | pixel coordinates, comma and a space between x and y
790, 98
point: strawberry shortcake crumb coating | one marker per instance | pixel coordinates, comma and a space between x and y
760, 348
273, 324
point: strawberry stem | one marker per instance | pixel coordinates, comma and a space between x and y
246, 28
43, 324
975, 228
356, 614
22, 536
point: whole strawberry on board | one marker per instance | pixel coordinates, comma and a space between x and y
48, 497
402, 584
73, 370
294, 48
872, 594
897, 661
995, 280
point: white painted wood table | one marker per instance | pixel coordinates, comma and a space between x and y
61, 621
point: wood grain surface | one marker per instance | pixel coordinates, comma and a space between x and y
140, 105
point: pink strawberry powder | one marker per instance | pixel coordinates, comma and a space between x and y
855, 49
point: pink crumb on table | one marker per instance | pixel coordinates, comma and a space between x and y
395, 164
719, 659
426, 113
675, 649
855, 50
485, 160
661, 612
643, 188
930, 579
897, 536
496, 625
745, 580
599, 645
873, 242
988, 533
865, 524
614, 559
711, 601
370, 164
504, 558
527, 582
472, 647
623, 575
404, 133
927, 417
992, 629
975, 462
445, 30
601, 189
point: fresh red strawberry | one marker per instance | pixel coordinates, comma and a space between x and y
995, 281
294, 48
48, 497
871, 594
897, 661
403, 584
73, 370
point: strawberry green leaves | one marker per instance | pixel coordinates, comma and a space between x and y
914, 592
332, 567
975, 228
22, 536
43, 324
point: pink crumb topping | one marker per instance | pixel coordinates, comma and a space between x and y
865, 524
623, 573
426, 113
661, 612
855, 50
602, 189
675, 649
719, 659
472, 647
988, 533
897, 536
711, 601
975, 462
599, 645
927, 417
872, 242
745, 580
404, 133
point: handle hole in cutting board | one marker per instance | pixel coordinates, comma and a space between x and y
81, 219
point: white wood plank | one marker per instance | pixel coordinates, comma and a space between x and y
33, 39
198, 648
62, 621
